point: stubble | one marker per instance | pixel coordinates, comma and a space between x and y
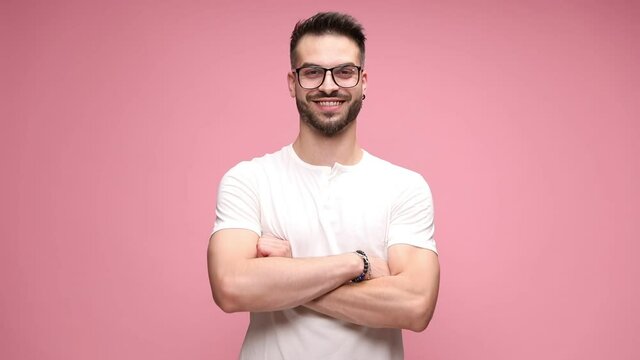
321, 122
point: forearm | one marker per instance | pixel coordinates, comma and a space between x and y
276, 283
406, 299
389, 302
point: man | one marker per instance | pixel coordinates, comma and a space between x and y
330, 248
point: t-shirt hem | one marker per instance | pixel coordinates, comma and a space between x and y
217, 228
420, 244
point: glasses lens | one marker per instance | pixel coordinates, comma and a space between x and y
346, 76
311, 77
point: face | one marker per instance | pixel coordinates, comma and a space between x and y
329, 109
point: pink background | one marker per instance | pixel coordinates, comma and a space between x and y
120, 117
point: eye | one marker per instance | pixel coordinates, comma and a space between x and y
346, 71
311, 72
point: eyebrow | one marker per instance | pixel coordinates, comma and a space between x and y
305, 64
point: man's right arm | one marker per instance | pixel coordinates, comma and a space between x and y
241, 281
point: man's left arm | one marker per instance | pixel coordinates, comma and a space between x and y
406, 299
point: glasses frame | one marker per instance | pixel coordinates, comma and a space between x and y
297, 72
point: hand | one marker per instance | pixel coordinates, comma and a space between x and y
269, 245
378, 267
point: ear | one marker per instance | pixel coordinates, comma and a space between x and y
364, 82
291, 79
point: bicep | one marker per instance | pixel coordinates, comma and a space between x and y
417, 271
228, 246
419, 265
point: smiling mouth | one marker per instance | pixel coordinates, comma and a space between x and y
329, 103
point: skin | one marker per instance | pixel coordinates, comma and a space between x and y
252, 273
324, 121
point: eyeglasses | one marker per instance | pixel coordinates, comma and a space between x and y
345, 76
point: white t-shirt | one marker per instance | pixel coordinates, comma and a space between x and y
322, 211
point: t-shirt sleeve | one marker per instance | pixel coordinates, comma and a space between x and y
412, 216
238, 205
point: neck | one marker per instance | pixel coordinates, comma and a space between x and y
316, 149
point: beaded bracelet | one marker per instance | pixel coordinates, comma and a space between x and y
365, 271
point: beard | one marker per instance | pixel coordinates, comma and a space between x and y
325, 123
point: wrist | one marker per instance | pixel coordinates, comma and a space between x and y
366, 267
352, 266
355, 265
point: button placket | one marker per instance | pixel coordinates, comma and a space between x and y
327, 212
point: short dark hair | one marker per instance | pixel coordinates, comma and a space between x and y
328, 23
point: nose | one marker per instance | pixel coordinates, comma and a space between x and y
328, 86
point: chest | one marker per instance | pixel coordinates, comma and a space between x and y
326, 215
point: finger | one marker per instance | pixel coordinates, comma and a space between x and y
267, 248
275, 250
260, 251
275, 243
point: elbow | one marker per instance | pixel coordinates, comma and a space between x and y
420, 322
225, 295
225, 304
421, 315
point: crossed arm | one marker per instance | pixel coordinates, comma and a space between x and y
248, 273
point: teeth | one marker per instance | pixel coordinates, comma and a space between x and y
329, 103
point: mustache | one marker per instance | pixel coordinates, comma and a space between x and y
333, 95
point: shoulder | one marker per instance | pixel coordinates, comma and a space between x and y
248, 169
395, 175
402, 186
